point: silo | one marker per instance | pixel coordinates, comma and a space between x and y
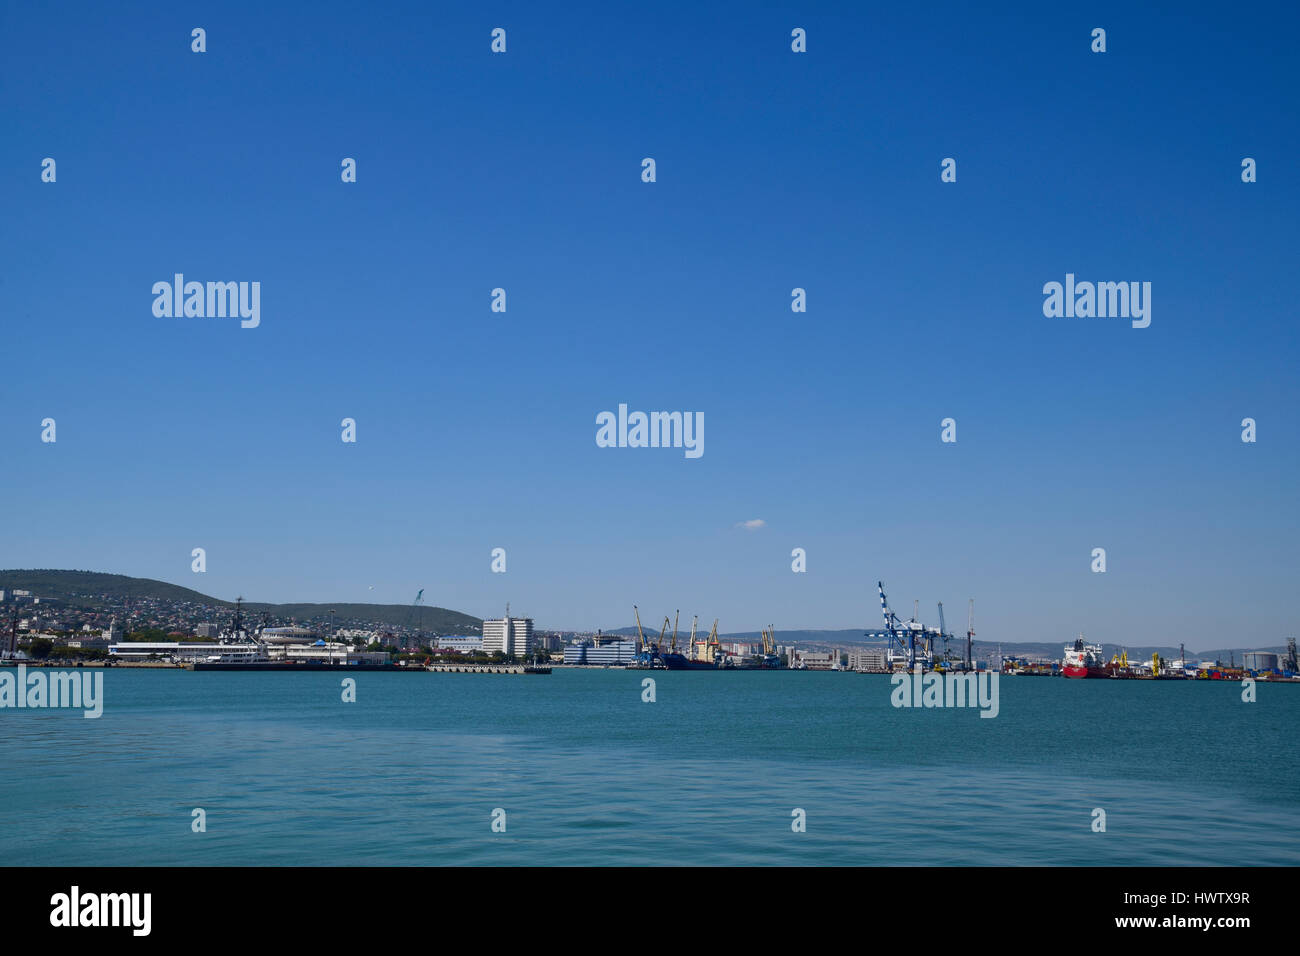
1259, 661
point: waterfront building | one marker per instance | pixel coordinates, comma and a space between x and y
181, 650
186, 651
868, 659
508, 635
814, 661
611, 652
90, 643
327, 653
463, 645
288, 635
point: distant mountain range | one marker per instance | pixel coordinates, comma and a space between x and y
92, 590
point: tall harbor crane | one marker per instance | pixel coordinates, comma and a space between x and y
903, 635
417, 611
943, 634
970, 633
640, 637
12, 650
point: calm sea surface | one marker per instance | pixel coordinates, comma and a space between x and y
589, 774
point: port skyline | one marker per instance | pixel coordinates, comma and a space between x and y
181, 615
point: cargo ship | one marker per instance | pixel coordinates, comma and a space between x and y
680, 662
1084, 660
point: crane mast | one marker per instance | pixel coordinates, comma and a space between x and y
13, 632
943, 634
640, 638
894, 627
970, 632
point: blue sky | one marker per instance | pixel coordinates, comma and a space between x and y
775, 170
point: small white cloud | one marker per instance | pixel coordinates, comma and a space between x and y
753, 524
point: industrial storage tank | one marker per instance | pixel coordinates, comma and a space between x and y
1259, 661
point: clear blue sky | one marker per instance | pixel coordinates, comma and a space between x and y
775, 170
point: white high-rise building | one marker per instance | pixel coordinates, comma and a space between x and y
508, 635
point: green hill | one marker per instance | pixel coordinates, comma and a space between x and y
87, 588
93, 589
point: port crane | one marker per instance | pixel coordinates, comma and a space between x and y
770, 658
417, 606
904, 635
970, 633
945, 637
12, 651
641, 645
713, 648
647, 654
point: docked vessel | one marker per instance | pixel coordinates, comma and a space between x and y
680, 662
1084, 660
266, 649
267, 666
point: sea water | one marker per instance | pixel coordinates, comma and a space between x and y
737, 768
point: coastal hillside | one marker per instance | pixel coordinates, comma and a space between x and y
95, 590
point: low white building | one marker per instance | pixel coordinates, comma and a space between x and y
327, 653
462, 645
868, 659
815, 661
182, 650
611, 652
